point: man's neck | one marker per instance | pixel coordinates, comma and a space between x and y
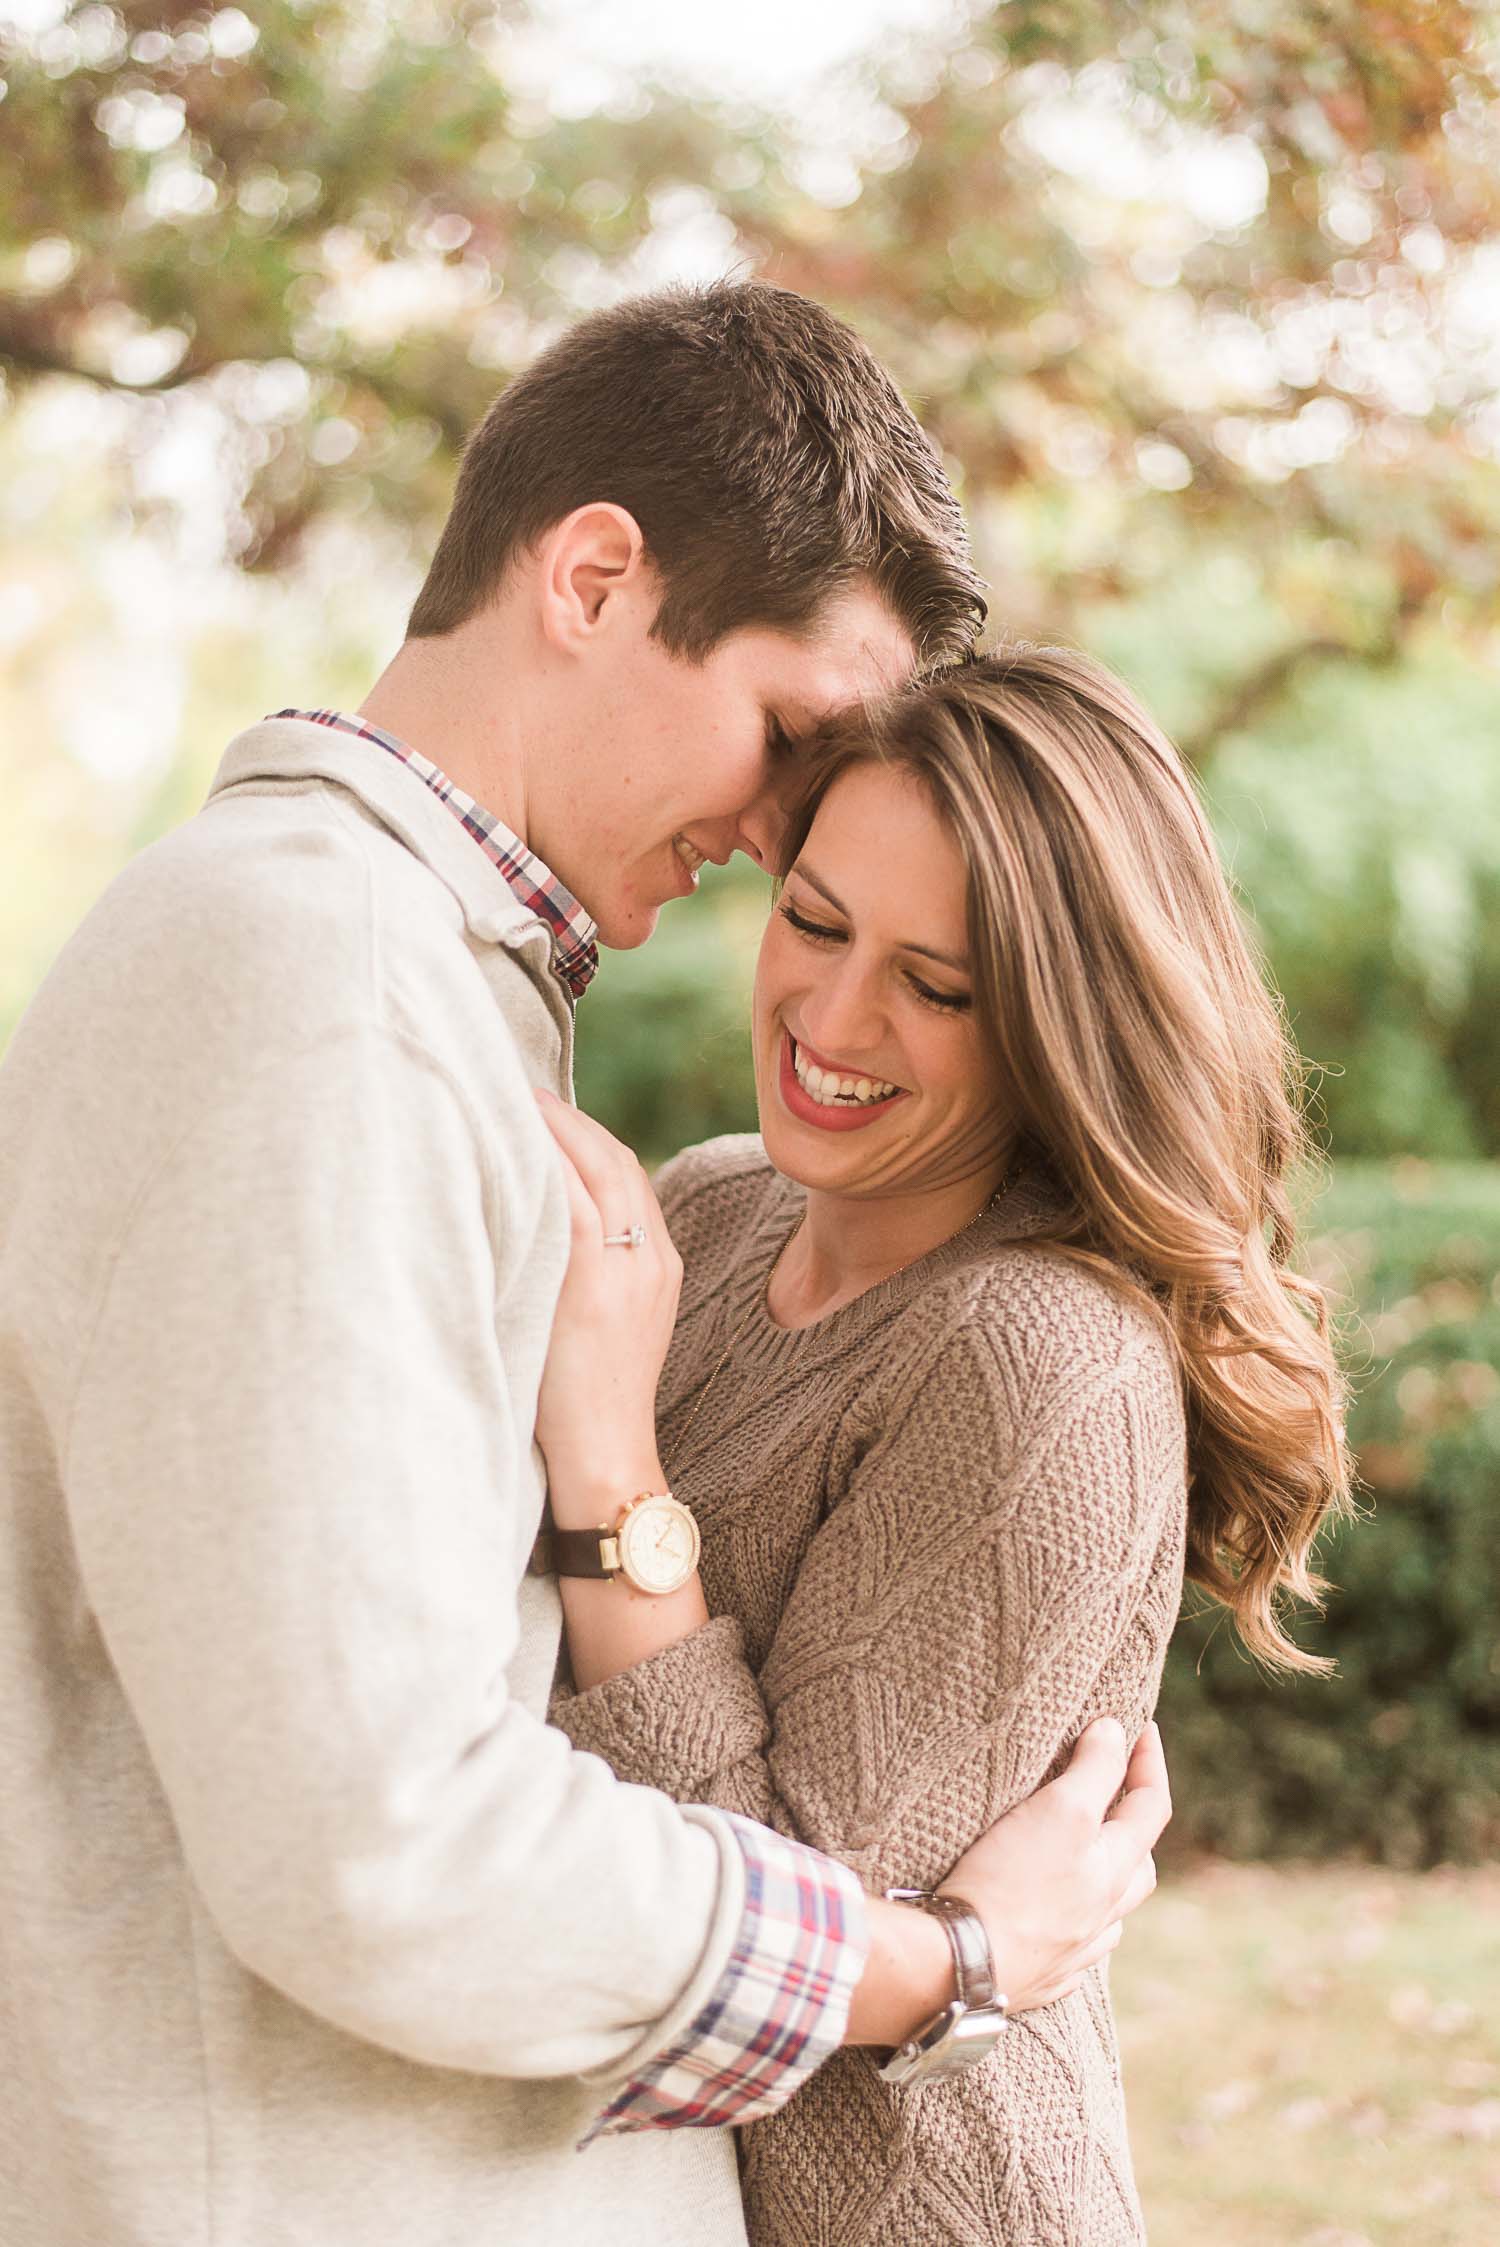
440, 699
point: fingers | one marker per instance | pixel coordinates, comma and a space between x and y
1101, 1946
583, 1211
611, 1173
1142, 1885
608, 1177
1097, 1768
596, 1151
1148, 1763
1138, 1820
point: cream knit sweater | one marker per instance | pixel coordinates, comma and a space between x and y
310, 1929
942, 1530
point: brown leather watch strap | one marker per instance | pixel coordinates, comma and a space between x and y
964, 1929
971, 1947
574, 1552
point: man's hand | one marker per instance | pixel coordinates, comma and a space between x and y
1055, 1879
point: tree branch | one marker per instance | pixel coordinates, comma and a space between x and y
1261, 689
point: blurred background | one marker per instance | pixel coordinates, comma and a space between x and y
1203, 306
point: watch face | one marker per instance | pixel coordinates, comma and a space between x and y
658, 1545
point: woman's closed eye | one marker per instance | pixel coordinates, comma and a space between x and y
820, 932
950, 1002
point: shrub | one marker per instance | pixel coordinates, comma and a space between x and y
1398, 1757
664, 1032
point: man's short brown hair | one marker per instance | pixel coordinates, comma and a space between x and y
766, 455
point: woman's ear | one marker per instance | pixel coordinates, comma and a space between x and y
587, 562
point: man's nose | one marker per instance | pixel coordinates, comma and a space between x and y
762, 829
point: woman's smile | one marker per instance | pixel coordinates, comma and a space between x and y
831, 1099
873, 1073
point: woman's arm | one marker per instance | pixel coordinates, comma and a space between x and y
954, 1623
596, 1414
1052, 1879
977, 1597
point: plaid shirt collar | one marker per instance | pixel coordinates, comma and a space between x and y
575, 948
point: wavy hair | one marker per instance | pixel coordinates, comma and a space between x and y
1151, 1072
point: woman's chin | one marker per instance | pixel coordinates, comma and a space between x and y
807, 1157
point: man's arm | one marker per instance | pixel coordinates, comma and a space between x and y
1053, 1882
295, 1481
287, 1472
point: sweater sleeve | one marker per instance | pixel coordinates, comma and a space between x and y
975, 1597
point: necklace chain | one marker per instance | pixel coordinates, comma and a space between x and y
756, 1297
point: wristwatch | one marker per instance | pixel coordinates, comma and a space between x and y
968, 2030
654, 1545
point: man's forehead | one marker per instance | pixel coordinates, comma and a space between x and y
857, 648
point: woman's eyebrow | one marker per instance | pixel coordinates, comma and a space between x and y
927, 951
805, 872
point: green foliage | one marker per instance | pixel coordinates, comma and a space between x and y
1156, 278
1363, 823
664, 1032
1398, 1757
1197, 302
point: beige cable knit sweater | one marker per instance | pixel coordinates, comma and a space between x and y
942, 1530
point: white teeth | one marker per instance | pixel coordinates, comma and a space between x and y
830, 1089
692, 858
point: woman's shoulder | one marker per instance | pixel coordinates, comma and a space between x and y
713, 1191
1054, 1381
1050, 1324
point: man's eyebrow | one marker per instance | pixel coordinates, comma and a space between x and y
927, 951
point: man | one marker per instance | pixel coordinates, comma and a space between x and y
312, 1930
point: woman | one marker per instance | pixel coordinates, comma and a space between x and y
989, 1331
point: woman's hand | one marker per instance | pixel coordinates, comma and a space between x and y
596, 1417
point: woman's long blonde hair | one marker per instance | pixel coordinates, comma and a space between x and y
1151, 1072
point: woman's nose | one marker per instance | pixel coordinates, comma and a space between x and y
841, 1012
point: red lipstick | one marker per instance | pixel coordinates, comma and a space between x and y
802, 1105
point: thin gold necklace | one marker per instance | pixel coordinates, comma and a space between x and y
758, 1295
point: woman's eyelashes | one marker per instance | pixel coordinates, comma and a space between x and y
948, 1002
818, 932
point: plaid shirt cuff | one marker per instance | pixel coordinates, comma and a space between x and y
781, 2004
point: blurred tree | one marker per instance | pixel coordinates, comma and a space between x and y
1203, 304
1153, 273
336, 221
1169, 275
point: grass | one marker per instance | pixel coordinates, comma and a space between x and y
1312, 2057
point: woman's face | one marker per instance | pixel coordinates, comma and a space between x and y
871, 1071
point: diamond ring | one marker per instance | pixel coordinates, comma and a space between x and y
635, 1238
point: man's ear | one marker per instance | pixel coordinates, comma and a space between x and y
588, 560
